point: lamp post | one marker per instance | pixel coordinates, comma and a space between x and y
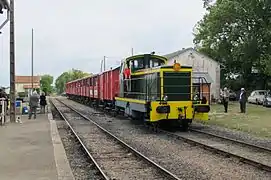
32, 61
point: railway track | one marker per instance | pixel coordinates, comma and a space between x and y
113, 158
257, 156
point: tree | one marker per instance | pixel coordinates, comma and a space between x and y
68, 76
237, 33
46, 83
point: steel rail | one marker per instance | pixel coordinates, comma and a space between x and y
219, 151
232, 140
81, 142
226, 153
137, 153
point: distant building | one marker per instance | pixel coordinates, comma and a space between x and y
202, 65
24, 83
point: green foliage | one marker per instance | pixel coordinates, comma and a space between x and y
68, 76
237, 33
46, 83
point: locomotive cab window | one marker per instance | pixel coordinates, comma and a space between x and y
137, 64
156, 62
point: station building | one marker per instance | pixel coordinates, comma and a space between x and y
23, 84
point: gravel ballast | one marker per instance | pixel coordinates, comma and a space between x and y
80, 164
116, 161
238, 135
182, 159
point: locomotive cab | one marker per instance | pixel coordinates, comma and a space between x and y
136, 64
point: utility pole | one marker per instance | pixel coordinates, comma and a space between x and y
132, 51
104, 63
32, 61
12, 64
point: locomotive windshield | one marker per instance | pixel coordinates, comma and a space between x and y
154, 62
144, 62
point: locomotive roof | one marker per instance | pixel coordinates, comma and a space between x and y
142, 55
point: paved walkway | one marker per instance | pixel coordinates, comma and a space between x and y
33, 151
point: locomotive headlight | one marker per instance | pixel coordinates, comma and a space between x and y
165, 98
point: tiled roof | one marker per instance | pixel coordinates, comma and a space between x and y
27, 79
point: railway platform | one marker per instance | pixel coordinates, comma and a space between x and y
33, 150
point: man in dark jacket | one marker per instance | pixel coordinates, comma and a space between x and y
243, 100
43, 103
225, 99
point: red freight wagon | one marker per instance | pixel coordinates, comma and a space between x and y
93, 87
85, 85
81, 87
87, 88
110, 83
100, 86
73, 88
77, 91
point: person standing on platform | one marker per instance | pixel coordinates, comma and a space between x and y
33, 104
225, 96
243, 100
43, 103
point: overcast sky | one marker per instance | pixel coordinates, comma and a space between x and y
77, 34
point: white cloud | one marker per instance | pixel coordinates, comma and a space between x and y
78, 35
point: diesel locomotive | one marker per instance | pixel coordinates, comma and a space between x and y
144, 87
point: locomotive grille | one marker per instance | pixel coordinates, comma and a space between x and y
177, 86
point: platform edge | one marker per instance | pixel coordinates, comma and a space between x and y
62, 164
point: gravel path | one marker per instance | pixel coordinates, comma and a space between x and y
184, 160
238, 135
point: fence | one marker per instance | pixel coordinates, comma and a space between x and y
3, 111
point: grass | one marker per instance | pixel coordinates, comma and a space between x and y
257, 119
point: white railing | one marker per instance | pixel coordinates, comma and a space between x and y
3, 112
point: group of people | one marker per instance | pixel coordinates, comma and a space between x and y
34, 102
225, 94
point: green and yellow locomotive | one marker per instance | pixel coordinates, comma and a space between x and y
160, 94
